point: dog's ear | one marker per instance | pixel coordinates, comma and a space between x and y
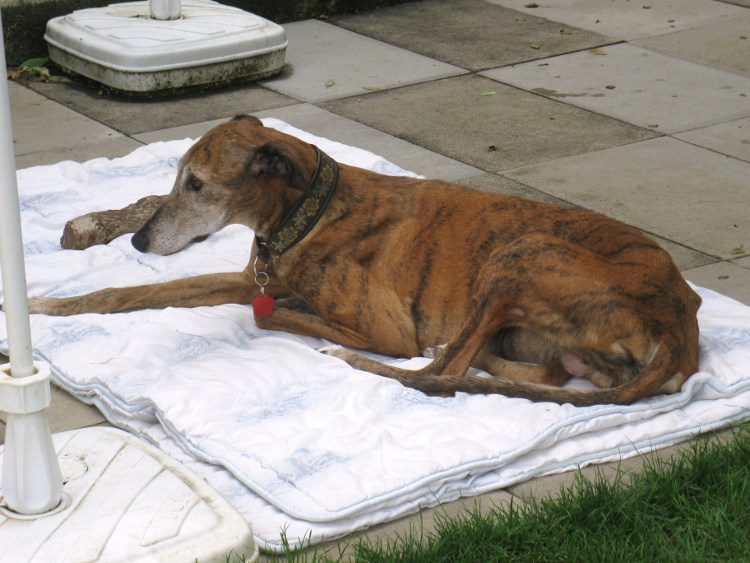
272, 160
250, 118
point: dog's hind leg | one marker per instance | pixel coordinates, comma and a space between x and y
549, 373
568, 296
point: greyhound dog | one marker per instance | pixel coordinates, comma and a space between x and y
532, 292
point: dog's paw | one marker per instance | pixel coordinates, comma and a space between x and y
35, 304
336, 351
433, 352
48, 306
38, 305
333, 350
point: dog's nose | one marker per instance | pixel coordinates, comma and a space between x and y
140, 241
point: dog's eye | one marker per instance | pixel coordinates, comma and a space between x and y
194, 183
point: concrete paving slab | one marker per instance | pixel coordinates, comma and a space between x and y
321, 122
731, 138
683, 257
502, 185
486, 124
325, 62
727, 278
115, 148
636, 85
133, 116
723, 45
664, 186
45, 131
472, 34
411, 157
191, 131
629, 20
68, 413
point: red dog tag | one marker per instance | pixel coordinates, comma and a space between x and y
262, 305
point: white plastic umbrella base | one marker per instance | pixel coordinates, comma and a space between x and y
146, 47
124, 500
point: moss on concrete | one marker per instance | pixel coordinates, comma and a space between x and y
24, 22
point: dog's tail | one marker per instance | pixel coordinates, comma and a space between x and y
662, 368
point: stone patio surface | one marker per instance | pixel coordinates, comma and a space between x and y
638, 110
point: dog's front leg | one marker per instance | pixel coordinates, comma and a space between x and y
101, 227
208, 289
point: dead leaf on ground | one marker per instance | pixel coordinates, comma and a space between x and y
737, 250
724, 277
59, 79
597, 51
35, 69
330, 83
531, 5
42, 72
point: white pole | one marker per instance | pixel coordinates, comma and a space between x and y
31, 482
11, 245
165, 9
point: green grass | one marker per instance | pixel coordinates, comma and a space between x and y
694, 507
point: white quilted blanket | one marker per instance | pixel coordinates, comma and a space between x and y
298, 441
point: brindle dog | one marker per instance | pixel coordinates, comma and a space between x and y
531, 292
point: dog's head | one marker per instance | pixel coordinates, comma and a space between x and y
238, 172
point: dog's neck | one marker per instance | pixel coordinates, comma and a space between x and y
306, 211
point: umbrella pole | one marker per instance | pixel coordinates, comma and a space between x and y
31, 479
